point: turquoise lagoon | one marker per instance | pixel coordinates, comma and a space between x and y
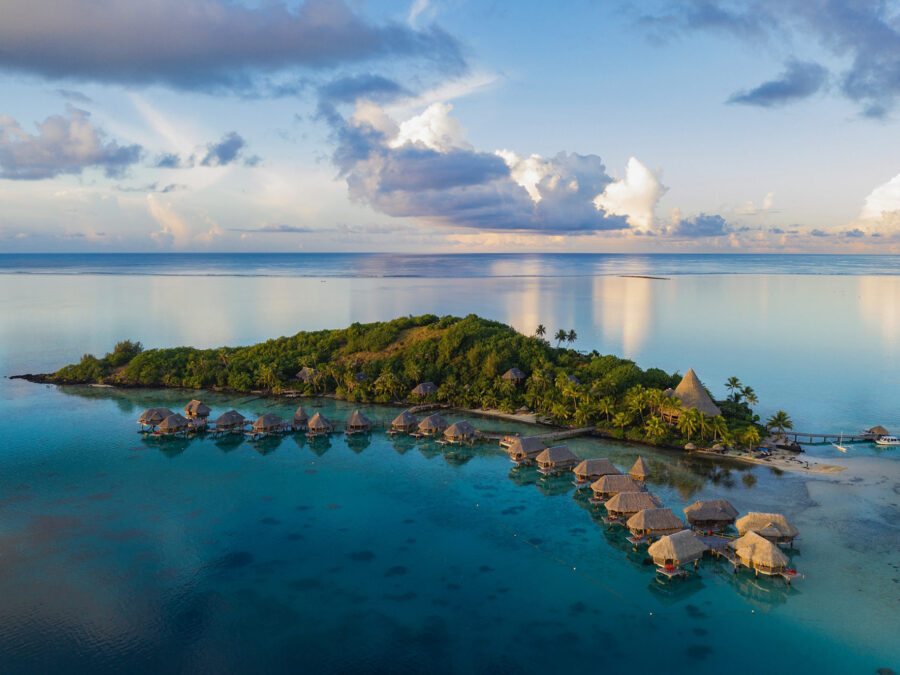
120, 553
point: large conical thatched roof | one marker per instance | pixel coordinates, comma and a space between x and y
319, 422
639, 470
267, 422
433, 423
556, 455
594, 468
424, 389
306, 374
154, 415
229, 419
513, 374
174, 422
632, 502
711, 510
197, 409
768, 523
615, 483
405, 419
526, 446
300, 415
358, 421
460, 430
681, 547
658, 520
755, 550
692, 395
879, 431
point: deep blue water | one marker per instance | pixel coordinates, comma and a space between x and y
118, 553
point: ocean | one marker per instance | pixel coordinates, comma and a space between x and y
121, 553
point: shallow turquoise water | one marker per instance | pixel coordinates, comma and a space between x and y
119, 553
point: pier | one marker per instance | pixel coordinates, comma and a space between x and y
821, 439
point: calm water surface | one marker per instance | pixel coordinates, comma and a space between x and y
120, 553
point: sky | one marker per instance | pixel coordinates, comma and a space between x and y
450, 126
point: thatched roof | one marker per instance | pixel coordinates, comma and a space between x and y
424, 389
197, 408
319, 422
879, 431
529, 446
460, 430
433, 423
154, 415
767, 524
174, 422
693, 395
358, 421
513, 374
632, 502
300, 415
592, 468
615, 483
639, 470
405, 419
755, 550
682, 547
711, 510
307, 374
659, 520
267, 422
229, 419
556, 455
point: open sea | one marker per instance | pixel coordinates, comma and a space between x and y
119, 553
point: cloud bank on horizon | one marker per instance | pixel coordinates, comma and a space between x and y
325, 115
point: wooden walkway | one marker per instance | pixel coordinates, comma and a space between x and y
814, 439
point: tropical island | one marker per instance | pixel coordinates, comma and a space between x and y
474, 363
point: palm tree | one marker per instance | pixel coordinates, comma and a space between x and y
655, 428
751, 436
719, 427
606, 407
733, 385
750, 396
703, 423
621, 420
572, 336
779, 422
560, 336
541, 330
688, 423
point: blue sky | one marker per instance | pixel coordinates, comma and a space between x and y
690, 125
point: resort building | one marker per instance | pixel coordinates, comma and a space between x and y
590, 470
771, 526
524, 450
712, 514
230, 421
358, 423
318, 425
404, 423
692, 395
625, 504
515, 375
173, 424
639, 471
759, 554
152, 417
460, 432
269, 423
196, 409
674, 550
307, 375
433, 425
555, 460
610, 485
653, 523
300, 419
424, 389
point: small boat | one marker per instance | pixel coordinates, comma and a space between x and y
840, 444
887, 440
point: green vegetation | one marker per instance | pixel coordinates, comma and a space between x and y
466, 358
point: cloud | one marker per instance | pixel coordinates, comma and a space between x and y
225, 151
819, 233
799, 80
349, 89
74, 96
175, 232
634, 196
168, 160
855, 233
424, 168
211, 45
275, 229
703, 225
63, 145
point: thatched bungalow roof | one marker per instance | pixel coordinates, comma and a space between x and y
772, 526
319, 422
197, 409
405, 420
513, 374
614, 484
307, 374
358, 421
639, 470
300, 416
759, 553
654, 522
557, 457
678, 548
593, 469
528, 447
460, 431
268, 422
712, 512
229, 420
692, 395
879, 431
173, 423
629, 503
433, 424
424, 389
154, 416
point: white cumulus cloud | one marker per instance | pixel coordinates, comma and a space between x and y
634, 196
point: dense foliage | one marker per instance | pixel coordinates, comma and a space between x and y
466, 358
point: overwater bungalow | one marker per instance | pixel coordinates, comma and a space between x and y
152, 417
611, 485
524, 450
514, 375
230, 421
672, 551
771, 526
433, 425
358, 423
556, 460
196, 424
403, 423
648, 523
760, 554
424, 389
266, 424
300, 419
460, 432
639, 471
196, 409
625, 504
590, 470
876, 432
712, 514
307, 375
318, 425
173, 424
691, 393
